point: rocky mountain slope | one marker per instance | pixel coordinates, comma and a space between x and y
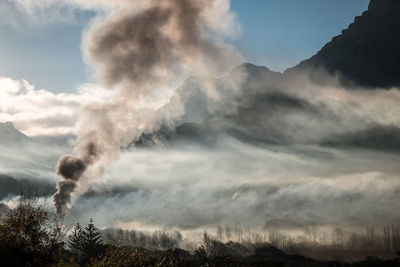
367, 53
279, 108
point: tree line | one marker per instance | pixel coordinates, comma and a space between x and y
31, 236
156, 240
387, 239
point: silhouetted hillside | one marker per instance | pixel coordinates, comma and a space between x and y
10, 186
259, 105
367, 53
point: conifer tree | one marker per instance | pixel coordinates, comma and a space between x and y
92, 235
93, 245
85, 243
76, 240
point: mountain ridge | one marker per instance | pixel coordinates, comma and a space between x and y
365, 54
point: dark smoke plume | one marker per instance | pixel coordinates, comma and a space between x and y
138, 53
70, 169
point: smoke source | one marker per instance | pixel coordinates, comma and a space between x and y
141, 53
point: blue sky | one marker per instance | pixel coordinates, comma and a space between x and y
275, 33
280, 33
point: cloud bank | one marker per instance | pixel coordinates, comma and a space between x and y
39, 112
193, 188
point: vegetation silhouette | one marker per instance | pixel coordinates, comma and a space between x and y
85, 243
30, 236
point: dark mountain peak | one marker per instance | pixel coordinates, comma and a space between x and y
252, 70
366, 53
251, 67
382, 4
253, 74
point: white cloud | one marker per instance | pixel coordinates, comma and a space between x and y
44, 12
19, 13
38, 112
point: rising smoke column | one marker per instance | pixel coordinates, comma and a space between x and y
139, 53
